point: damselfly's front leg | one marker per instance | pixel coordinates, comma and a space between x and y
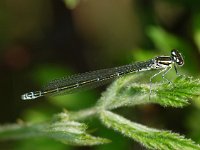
165, 70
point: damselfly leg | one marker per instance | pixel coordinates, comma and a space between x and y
165, 72
150, 87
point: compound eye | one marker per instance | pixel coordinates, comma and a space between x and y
179, 61
177, 57
173, 52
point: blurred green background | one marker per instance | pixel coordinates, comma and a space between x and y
41, 40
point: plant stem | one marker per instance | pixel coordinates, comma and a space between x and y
83, 114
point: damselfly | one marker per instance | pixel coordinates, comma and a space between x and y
96, 78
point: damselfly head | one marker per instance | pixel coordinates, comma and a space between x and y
177, 57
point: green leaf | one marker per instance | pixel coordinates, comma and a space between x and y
61, 129
19, 131
178, 93
73, 133
130, 91
162, 39
196, 29
125, 91
148, 137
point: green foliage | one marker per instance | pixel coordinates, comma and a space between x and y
149, 137
178, 93
163, 40
163, 25
126, 91
60, 128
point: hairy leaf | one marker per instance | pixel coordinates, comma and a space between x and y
128, 91
148, 137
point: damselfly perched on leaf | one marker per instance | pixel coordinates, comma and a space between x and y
96, 78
